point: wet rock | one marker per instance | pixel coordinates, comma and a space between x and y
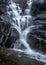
13, 36
8, 35
15, 58
37, 38
4, 32
2, 9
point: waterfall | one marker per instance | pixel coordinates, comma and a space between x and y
21, 24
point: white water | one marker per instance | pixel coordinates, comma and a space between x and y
21, 24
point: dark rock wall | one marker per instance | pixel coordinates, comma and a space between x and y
37, 38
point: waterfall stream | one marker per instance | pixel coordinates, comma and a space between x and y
21, 24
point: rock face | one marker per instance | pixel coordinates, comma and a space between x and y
8, 35
37, 37
4, 32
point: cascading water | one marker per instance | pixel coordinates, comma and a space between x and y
21, 24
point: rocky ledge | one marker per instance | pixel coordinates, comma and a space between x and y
8, 57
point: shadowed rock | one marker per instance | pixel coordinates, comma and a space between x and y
8, 57
38, 7
37, 38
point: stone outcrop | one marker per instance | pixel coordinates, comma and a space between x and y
8, 57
